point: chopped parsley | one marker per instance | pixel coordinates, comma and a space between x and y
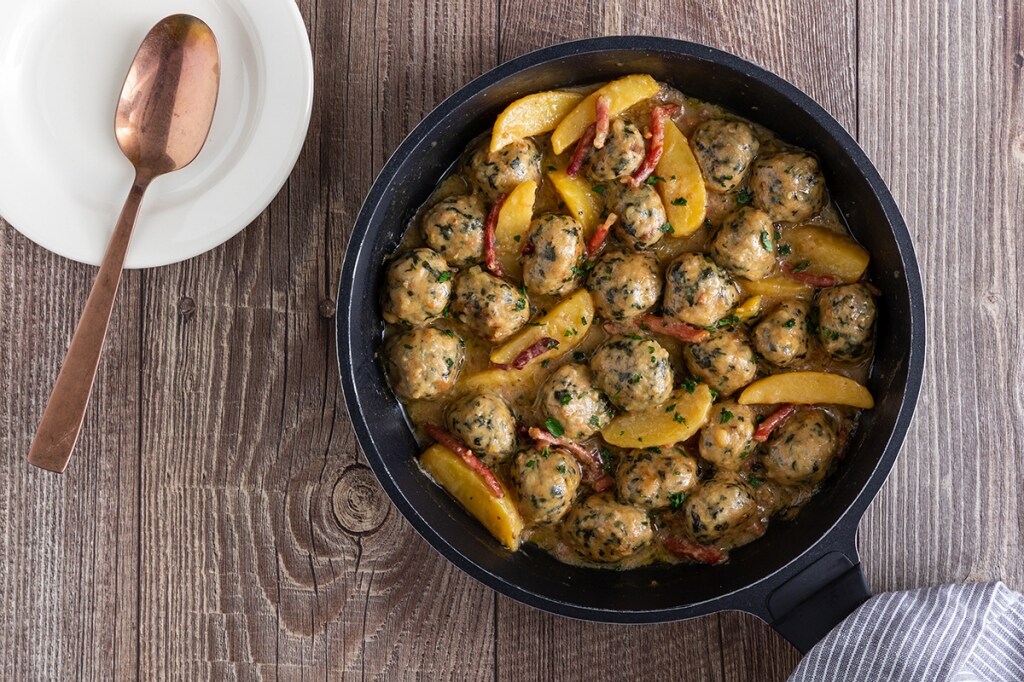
654, 179
754, 481
554, 427
579, 356
679, 201
726, 416
801, 266
689, 386
635, 379
789, 324
676, 499
744, 197
598, 188
667, 228
679, 418
785, 249
444, 276
566, 398
449, 362
766, 241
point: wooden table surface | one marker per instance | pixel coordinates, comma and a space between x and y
218, 520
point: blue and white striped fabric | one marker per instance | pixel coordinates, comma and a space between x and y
955, 633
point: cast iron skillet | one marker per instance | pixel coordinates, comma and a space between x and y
804, 575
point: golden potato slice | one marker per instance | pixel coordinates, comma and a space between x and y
807, 388
826, 253
678, 419
682, 188
497, 514
513, 222
622, 94
579, 196
567, 323
750, 308
532, 115
778, 286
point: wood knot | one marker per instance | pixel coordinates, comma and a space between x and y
360, 505
186, 308
1018, 60
327, 308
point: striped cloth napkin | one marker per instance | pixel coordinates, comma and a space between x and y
959, 633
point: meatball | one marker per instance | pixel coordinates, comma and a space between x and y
623, 152
491, 307
551, 267
486, 424
635, 372
416, 288
846, 315
454, 228
724, 503
724, 151
570, 397
801, 450
624, 285
656, 478
642, 221
782, 337
501, 172
424, 362
725, 362
788, 186
604, 530
745, 244
547, 480
698, 291
728, 437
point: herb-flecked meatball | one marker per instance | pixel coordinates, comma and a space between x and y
546, 480
724, 151
484, 423
551, 267
624, 285
498, 173
605, 530
569, 396
491, 307
416, 288
642, 220
745, 244
846, 315
698, 291
634, 372
623, 152
788, 186
725, 362
723, 504
454, 228
656, 478
801, 450
728, 437
782, 337
424, 362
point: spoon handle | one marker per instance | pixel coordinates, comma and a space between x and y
62, 420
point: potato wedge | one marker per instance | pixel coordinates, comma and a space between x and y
506, 383
513, 222
682, 187
532, 115
750, 308
778, 286
580, 199
622, 93
827, 253
807, 388
678, 419
568, 323
497, 514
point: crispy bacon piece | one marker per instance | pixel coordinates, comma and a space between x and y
490, 246
530, 352
705, 554
680, 330
459, 448
600, 235
819, 281
615, 328
659, 114
773, 421
593, 469
579, 155
602, 109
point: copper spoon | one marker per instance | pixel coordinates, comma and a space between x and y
163, 118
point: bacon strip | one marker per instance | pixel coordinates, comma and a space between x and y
600, 235
602, 110
490, 246
530, 352
579, 155
593, 469
680, 330
819, 281
459, 448
773, 421
659, 114
705, 554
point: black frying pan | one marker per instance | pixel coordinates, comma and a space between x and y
804, 575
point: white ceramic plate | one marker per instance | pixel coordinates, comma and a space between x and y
63, 178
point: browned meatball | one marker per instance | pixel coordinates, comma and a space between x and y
500, 172
454, 228
642, 221
788, 186
846, 316
424, 362
782, 337
551, 267
745, 244
546, 480
624, 285
635, 373
724, 362
802, 449
416, 288
698, 291
656, 478
723, 504
569, 396
728, 437
621, 155
604, 530
491, 307
486, 424
724, 151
